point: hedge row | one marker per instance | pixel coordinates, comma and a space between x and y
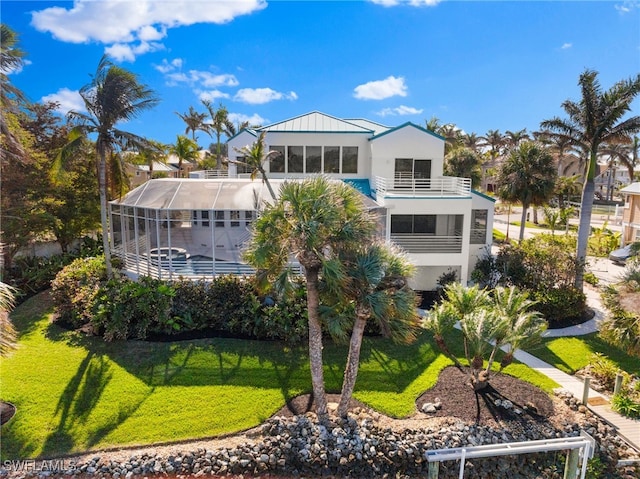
120, 308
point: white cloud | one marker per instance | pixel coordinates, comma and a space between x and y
566, 46
253, 120
381, 89
627, 6
197, 77
167, 67
68, 100
16, 69
124, 52
210, 95
116, 22
400, 110
258, 96
413, 3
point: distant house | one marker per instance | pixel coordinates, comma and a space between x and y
138, 174
441, 223
631, 213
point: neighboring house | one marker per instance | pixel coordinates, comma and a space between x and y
139, 174
631, 213
441, 223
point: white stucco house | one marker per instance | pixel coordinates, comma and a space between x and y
439, 221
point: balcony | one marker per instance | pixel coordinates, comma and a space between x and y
430, 244
402, 185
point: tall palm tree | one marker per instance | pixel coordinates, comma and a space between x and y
566, 187
433, 124
597, 119
219, 122
232, 129
378, 291
156, 151
472, 141
114, 95
452, 136
185, 149
495, 141
11, 59
513, 139
627, 154
528, 176
255, 157
464, 163
312, 221
195, 121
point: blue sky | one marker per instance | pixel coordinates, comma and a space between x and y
503, 65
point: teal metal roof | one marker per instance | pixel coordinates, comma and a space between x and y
405, 125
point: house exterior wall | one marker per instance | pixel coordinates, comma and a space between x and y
631, 218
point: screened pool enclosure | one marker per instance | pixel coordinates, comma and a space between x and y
167, 228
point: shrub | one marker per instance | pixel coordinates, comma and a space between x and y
128, 309
74, 289
625, 405
192, 306
620, 328
604, 370
559, 305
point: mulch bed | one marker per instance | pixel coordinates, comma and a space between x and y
7, 410
459, 400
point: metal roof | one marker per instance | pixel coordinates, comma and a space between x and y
371, 125
316, 122
633, 188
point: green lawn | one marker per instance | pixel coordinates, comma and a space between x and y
573, 353
75, 393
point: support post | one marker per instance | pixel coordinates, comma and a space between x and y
585, 391
618, 384
434, 468
571, 466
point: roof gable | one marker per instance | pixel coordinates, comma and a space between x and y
316, 122
406, 125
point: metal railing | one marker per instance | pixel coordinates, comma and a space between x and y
209, 174
437, 187
413, 243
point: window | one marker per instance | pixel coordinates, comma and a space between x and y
478, 226
248, 217
408, 170
276, 164
241, 167
219, 219
413, 224
235, 218
332, 159
314, 159
294, 159
205, 219
349, 159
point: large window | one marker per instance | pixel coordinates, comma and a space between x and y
408, 170
413, 224
314, 159
332, 159
349, 159
276, 164
478, 226
242, 167
294, 159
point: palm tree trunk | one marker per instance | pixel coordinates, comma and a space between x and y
266, 180
523, 221
584, 229
315, 342
353, 361
102, 187
218, 159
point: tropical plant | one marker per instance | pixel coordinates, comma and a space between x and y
377, 289
11, 59
219, 124
154, 152
311, 221
195, 121
513, 139
464, 163
597, 119
255, 157
552, 218
527, 176
495, 141
488, 323
8, 334
114, 95
185, 149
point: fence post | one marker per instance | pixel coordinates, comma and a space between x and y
433, 470
618, 385
571, 466
585, 391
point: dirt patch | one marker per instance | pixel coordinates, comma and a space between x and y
7, 411
630, 301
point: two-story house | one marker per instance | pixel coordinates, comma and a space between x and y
440, 222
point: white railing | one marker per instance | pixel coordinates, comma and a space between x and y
209, 174
438, 187
413, 243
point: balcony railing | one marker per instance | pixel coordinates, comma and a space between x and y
437, 187
413, 243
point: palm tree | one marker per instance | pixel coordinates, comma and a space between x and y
597, 119
312, 221
185, 149
219, 123
378, 290
255, 158
156, 151
513, 139
114, 95
433, 124
625, 154
472, 141
528, 176
195, 121
232, 129
452, 136
11, 58
8, 334
496, 142
464, 163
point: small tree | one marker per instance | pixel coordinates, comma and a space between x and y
488, 323
8, 334
255, 158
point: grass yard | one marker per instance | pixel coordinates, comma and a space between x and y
571, 354
76, 393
